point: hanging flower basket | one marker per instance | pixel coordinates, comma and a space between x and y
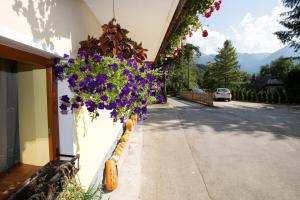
123, 84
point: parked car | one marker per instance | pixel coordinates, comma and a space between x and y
197, 90
222, 93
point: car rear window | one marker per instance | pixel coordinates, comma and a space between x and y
223, 90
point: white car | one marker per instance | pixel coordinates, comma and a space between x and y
222, 93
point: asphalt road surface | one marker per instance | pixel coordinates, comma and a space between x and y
235, 151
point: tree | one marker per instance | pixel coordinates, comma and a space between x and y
292, 23
280, 67
292, 85
225, 70
183, 72
265, 70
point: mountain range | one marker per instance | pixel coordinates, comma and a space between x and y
251, 62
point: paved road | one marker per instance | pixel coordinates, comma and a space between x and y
237, 151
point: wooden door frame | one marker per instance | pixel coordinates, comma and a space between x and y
52, 102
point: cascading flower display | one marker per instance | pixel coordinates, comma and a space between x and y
122, 86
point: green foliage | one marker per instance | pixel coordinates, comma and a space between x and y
278, 68
292, 23
188, 22
259, 97
91, 85
225, 70
264, 97
255, 97
269, 97
276, 97
292, 84
265, 70
248, 93
184, 73
74, 191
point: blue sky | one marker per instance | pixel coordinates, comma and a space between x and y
250, 25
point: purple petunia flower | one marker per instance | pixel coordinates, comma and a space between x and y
150, 76
71, 82
91, 106
114, 113
160, 98
107, 107
144, 110
110, 86
65, 98
78, 99
120, 57
71, 60
129, 62
114, 66
104, 97
149, 65
63, 107
137, 77
66, 56
144, 101
101, 78
88, 67
75, 106
122, 119
82, 69
101, 106
112, 105
118, 102
142, 69
82, 83
137, 110
135, 65
98, 58
91, 54
126, 72
81, 54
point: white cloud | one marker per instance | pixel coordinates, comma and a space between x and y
210, 44
254, 35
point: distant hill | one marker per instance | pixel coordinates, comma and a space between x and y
251, 62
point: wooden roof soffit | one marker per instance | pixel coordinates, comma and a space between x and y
180, 10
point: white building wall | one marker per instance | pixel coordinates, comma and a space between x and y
55, 27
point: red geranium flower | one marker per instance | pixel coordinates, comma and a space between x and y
207, 15
204, 33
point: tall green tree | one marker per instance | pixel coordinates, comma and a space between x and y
183, 71
225, 70
280, 67
265, 70
291, 22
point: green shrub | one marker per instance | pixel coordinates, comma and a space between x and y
255, 97
259, 97
276, 97
74, 191
269, 97
283, 97
244, 95
233, 93
251, 96
263, 97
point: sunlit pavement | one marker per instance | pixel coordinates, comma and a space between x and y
236, 151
